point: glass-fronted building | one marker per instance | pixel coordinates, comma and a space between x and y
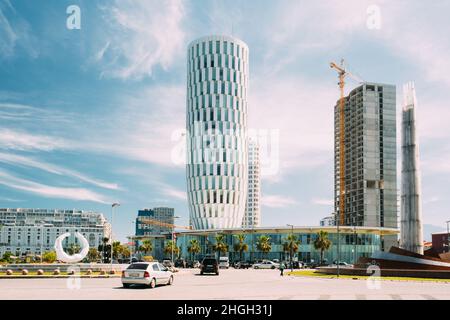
216, 123
355, 242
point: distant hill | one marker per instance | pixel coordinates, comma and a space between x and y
428, 229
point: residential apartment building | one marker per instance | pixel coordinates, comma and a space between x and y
33, 231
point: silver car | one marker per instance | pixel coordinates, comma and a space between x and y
266, 265
146, 273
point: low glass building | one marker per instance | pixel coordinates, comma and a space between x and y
355, 242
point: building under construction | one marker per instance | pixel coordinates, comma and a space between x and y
370, 165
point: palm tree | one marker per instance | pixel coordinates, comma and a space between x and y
194, 247
291, 246
220, 246
117, 249
240, 246
322, 243
146, 246
73, 249
263, 244
93, 255
105, 248
171, 247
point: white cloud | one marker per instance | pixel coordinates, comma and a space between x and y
80, 194
175, 193
144, 34
21, 140
323, 202
15, 32
277, 201
31, 162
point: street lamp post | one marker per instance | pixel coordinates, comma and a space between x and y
115, 204
290, 247
338, 245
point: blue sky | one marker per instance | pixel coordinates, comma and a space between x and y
93, 116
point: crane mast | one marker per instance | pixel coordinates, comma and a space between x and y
342, 73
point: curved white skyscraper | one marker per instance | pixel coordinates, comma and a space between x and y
217, 82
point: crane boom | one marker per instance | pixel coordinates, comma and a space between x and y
162, 224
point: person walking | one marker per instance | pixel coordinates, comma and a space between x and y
282, 266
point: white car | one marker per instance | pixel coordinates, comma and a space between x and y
224, 262
266, 265
146, 273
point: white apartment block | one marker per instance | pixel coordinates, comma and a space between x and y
32, 231
252, 217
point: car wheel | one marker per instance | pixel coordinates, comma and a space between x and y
126, 285
273, 267
217, 273
201, 272
170, 281
152, 283
256, 267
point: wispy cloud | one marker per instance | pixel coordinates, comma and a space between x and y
144, 34
22, 140
25, 113
277, 201
51, 168
323, 202
44, 190
15, 32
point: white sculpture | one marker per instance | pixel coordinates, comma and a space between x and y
63, 256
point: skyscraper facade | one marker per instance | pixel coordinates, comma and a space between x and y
370, 158
252, 217
216, 122
411, 235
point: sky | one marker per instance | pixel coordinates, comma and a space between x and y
95, 115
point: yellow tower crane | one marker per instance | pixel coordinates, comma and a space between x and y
342, 74
163, 224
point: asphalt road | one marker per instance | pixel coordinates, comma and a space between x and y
230, 284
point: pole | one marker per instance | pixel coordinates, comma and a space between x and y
112, 242
354, 244
292, 234
42, 239
338, 247
448, 236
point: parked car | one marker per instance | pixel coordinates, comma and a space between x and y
209, 265
242, 265
146, 273
167, 263
342, 264
266, 265
180, 263
224, 262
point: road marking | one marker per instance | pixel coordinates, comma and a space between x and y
428, 297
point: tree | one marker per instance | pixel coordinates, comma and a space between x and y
7, 257
117, 249
194, 247
93, 255
240, 246
171, 248
322, 243
263, 244
126, 253
291, 246
220, 246
73, 249
49, 256
146, 246
105, 249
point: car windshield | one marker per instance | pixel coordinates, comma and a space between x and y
209, 261
138, 266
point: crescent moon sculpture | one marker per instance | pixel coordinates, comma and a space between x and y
63, 256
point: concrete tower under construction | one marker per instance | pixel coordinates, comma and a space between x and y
370, 158
411, 234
